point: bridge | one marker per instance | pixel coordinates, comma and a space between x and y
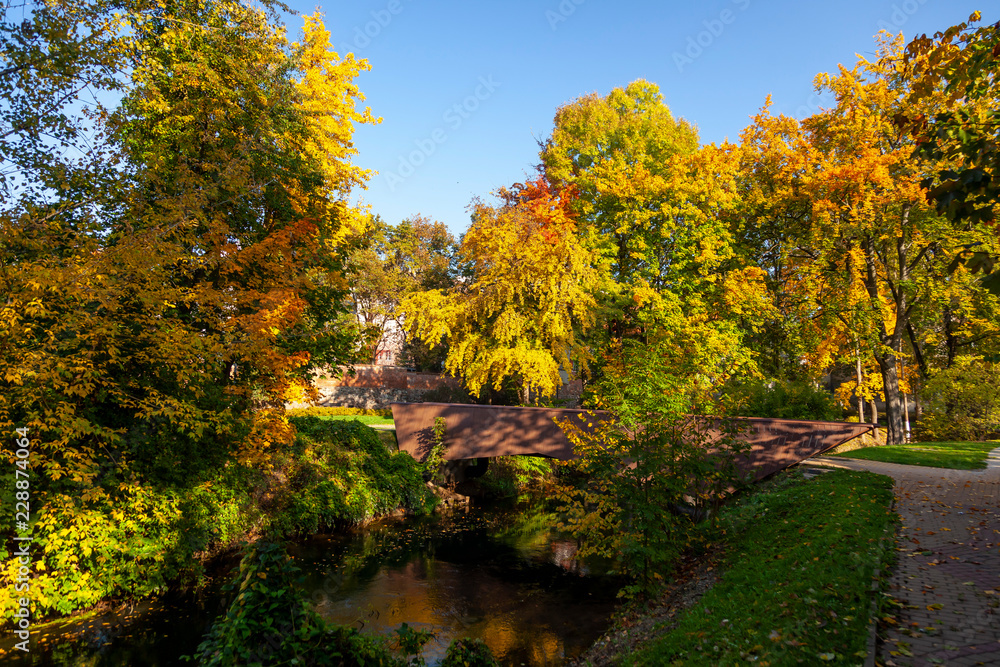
486, 431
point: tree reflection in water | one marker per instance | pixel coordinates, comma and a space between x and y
503, 574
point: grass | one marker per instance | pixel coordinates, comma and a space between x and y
370, 420
796, 583
957, 455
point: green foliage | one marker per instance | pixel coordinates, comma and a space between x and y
171, 276
141, 538
469, 653
787, 399
509, 476
133, 542
954, 455
270, 622
431, 467
796, 582
961, 402
640, 469
417, 254
411, 641
964, 59
343, 473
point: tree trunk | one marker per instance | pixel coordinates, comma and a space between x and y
860, 379
890, 341
951, 341
906, 407
895, 435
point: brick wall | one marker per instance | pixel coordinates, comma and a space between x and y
375, 387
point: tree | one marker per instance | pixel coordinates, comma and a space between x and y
966, 63
648, 468
173, 275
655, 212
521, 314
617, 153
869, 250
418, 254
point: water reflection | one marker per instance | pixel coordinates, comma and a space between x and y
502, 574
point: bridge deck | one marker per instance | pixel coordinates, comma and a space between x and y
475, 431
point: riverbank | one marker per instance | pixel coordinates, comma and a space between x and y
789, 578
497, 572
135, 541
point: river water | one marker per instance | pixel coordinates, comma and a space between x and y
501, 573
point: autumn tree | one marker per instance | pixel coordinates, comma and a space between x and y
865, 247
616, 152
653, 209
173, 275
963, 62
529, 299
396, 261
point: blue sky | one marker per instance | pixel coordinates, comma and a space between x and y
467, 89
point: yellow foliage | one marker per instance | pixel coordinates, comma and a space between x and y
530, 298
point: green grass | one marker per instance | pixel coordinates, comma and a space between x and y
797, 576
370, 420
957, 455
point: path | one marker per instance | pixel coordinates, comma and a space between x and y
948, 575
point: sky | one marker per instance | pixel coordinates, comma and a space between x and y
467, 90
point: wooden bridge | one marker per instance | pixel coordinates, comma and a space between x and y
479, 431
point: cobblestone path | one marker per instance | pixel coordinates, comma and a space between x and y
948, 575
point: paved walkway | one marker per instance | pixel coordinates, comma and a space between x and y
948, 575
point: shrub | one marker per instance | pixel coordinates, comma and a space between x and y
269, 622
132, 539
639, 468
340, 473
782, 399
961, 403
469, 653
510, 475
319, 411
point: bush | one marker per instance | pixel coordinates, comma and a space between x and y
782, 399
640, 469
128, 542
508, 476
132, 539
961, 403
469, 653
342, 473
269, 622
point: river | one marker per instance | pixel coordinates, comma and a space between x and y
498, 572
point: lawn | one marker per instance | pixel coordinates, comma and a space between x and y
796, 586
957, 455
371, 420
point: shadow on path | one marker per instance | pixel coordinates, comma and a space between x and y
948, 575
